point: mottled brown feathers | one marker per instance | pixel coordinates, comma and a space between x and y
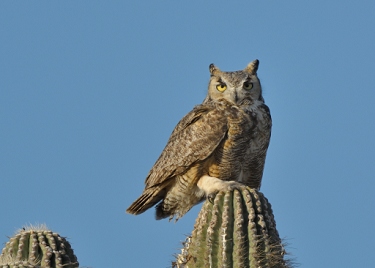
220, 143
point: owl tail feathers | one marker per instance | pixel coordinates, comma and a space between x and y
149, 198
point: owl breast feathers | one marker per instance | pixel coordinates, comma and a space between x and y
221, 144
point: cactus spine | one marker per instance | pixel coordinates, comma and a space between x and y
37, 247
237, 230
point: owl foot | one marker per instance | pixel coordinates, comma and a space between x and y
211, 186
211, 197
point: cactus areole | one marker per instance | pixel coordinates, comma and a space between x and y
236, 230
37, 247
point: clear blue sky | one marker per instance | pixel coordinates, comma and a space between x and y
91, 90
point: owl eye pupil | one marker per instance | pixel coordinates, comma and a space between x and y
221, 87
247, 85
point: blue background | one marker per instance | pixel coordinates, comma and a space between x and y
91, 90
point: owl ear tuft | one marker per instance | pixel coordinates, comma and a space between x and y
213, 69
252, 67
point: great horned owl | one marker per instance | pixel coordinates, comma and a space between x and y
221, 144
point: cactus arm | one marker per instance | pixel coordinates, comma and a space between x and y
38, 247
237, 230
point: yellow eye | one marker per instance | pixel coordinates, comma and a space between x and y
221, 87
247, 85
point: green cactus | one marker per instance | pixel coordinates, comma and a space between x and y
37, 246
237, 230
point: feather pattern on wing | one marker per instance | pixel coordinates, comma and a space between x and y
194, 138
219, 144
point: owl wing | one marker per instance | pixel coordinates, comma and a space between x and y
194, 138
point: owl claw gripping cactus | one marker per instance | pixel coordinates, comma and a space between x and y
237, 230
37, 247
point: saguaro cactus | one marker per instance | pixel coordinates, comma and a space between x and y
237, 230
37, 247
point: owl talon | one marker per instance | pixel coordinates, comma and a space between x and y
234, 185
217, 147
211, 197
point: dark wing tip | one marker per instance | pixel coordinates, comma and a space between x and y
149, 198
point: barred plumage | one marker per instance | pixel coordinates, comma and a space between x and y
220, 144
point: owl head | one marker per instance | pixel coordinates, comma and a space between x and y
235, 87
